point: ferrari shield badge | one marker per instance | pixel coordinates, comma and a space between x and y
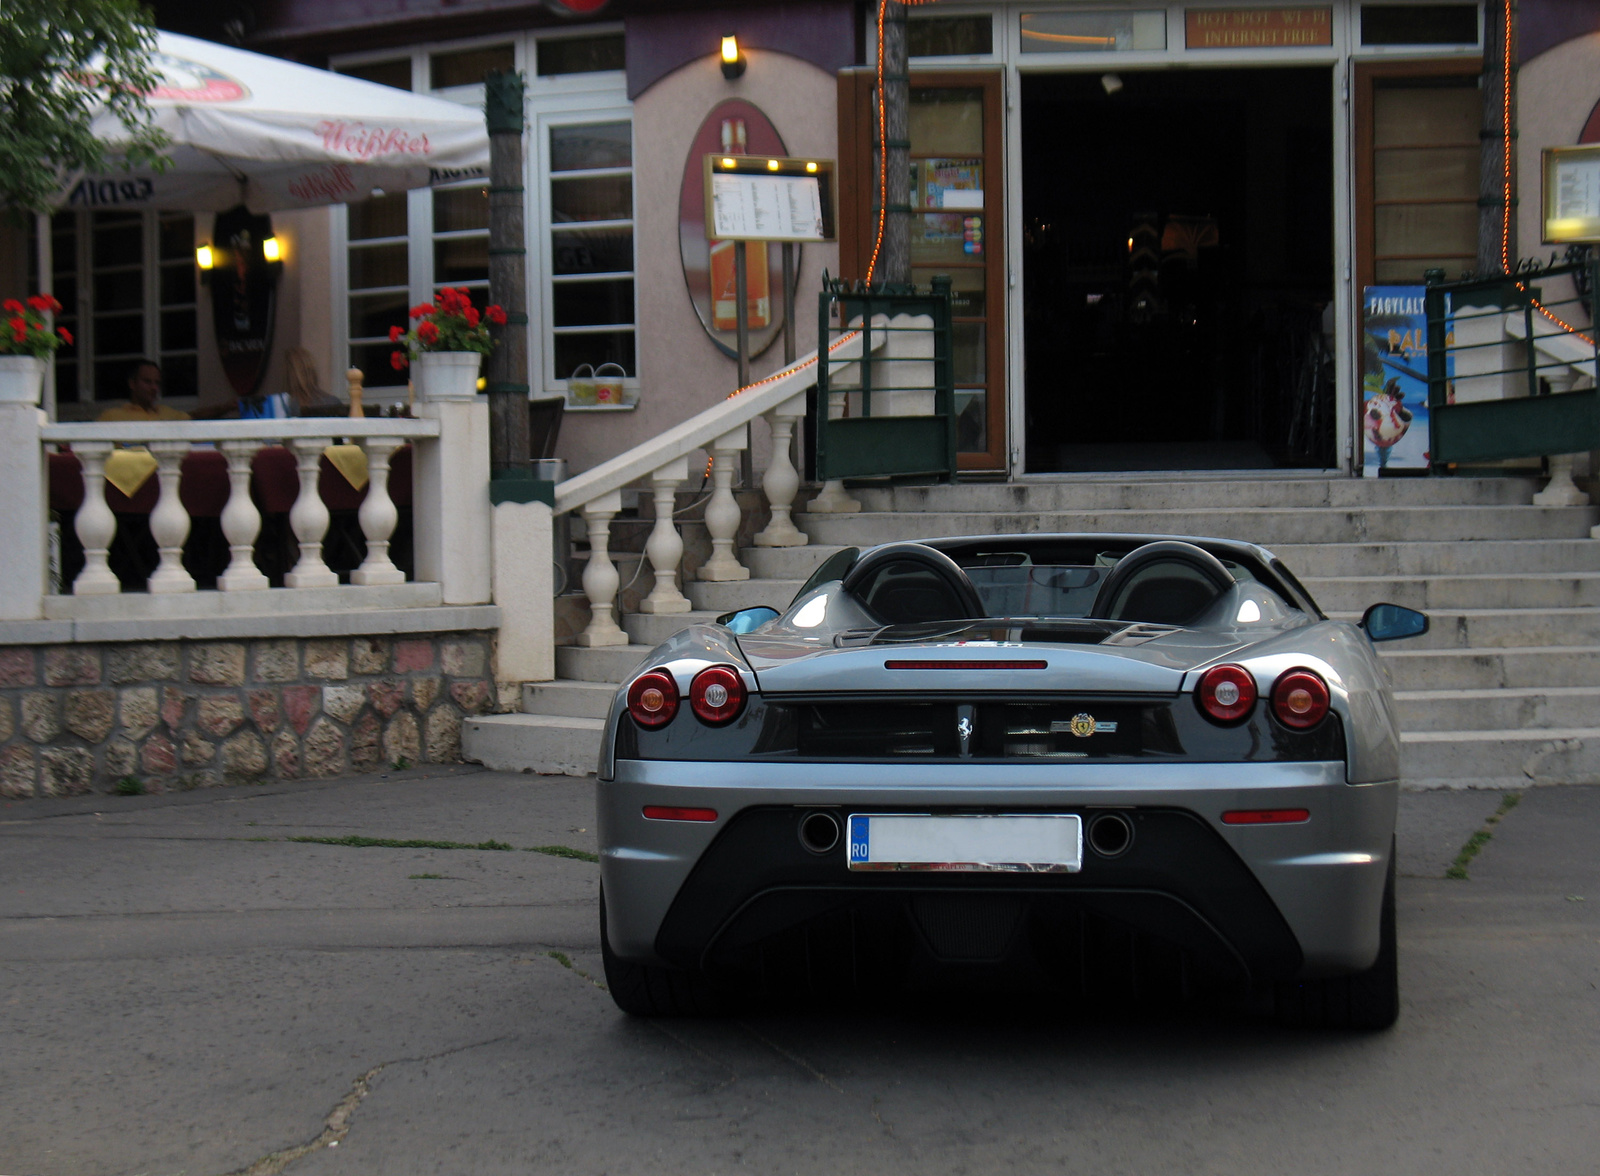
1084, 725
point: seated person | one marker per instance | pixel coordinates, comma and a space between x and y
144, 391
304, 392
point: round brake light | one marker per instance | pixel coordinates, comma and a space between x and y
1300, 699
1226, 693
717, 695
653, 699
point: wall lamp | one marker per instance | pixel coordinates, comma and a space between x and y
733, 62
204, 258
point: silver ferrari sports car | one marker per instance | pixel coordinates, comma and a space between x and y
1104, 765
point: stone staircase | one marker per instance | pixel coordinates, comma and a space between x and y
1504, 691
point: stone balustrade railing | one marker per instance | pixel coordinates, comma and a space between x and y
168, 443
451, 514
723, 431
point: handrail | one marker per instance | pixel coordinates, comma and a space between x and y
249, 430
701, 429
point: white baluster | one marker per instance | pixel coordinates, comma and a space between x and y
600, 579
781, 482
833, 500
96, 525
169, 522
665, 546
378, 517
722, 512
1561, 490
241, 521
309, 518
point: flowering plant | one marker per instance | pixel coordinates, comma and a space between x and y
449, 323
23, 330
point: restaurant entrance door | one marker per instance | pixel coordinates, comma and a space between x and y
1178, 269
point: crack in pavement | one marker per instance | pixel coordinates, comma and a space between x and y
337, 1125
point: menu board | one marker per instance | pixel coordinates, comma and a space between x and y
1572, 194
746, 207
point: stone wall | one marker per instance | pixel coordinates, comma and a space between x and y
189, 714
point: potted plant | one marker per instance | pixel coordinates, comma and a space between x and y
26, 343
448, 339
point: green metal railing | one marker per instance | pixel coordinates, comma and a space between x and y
895, 394
1495, 347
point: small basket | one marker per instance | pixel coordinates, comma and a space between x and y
581, 385
608, 379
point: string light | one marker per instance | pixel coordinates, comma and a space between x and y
1506, 175
883, 143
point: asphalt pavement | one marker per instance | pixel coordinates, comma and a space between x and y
187, 990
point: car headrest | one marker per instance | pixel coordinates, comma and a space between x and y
1168, 582
907, 583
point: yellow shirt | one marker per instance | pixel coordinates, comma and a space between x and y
132, 412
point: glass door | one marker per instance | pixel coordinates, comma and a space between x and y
958, 203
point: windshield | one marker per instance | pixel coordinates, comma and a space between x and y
1014, 586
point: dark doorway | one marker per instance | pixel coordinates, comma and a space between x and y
1178, 269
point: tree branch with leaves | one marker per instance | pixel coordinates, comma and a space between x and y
61, 66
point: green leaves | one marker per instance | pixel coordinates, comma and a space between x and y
60, 65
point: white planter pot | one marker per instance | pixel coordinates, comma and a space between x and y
446, 375
21, 379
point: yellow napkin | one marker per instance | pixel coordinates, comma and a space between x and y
129, 469
349, 460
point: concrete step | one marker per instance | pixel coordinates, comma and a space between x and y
722, 596
551, 744
1517, 708
1500, 759
1503, 628
1043, 495
582, 700
1446, 593
1480, 557
653, 628
785, 563
605, 663
1264, 525
1485, 669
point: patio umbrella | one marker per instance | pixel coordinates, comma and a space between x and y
270, 134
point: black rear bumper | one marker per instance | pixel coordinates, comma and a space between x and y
1179, 898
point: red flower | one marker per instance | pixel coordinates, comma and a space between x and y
19, 323
398, 360
449, 300
495, 315
66, 335
472, 316
11, 306
421, 311
394, 334
39, 302
19, 335
428, 333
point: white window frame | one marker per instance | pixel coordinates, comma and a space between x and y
557, 100
85, 348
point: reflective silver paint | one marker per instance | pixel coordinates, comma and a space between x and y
1326, 875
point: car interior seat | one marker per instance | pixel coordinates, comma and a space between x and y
1164, 583
909, 583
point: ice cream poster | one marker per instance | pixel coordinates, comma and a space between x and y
1394, 385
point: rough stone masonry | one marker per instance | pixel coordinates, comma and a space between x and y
190, 714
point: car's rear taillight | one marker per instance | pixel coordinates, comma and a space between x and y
1225, 694
1300, 699
653, 699
717, 695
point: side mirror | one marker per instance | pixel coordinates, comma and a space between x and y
748, 620
1392, 622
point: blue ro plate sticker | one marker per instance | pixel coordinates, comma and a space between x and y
1033, 843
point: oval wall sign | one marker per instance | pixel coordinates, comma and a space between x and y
737, 127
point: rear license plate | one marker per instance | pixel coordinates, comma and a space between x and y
1028, 844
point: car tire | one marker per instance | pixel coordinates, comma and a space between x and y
650, 990
1367, 1000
